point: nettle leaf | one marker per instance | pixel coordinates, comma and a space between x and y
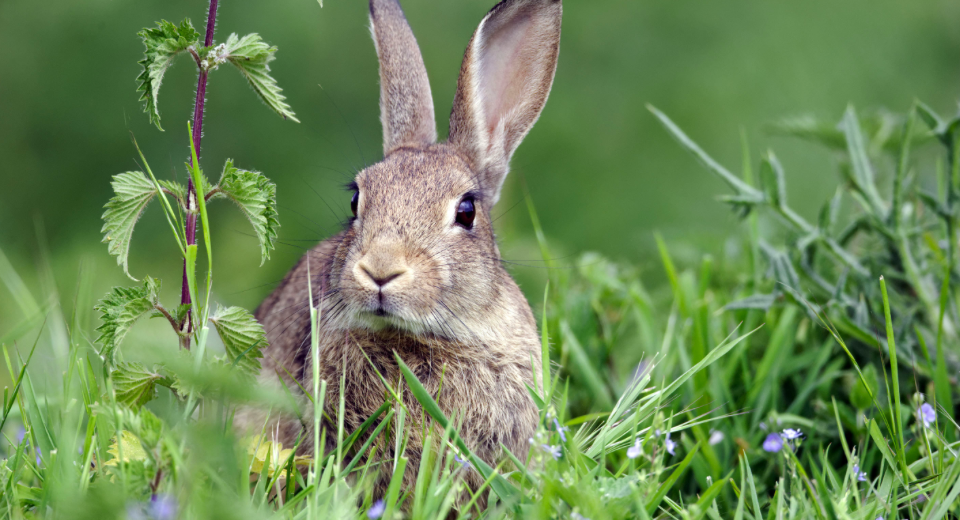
243, 338
133, 191
131, 447
176, 189
162, 43
266, 453
120, 309
252, 56
134, 384
257, 198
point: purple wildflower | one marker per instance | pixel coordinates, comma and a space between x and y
670, 445
163, 507
463, 462
773, 443
552, 450
791, 434
21, 433
376, 510
861, 475
636, 450
560, 429
926, 415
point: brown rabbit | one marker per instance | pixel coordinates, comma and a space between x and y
417, 270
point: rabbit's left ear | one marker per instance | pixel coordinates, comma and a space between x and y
505, 78
406, 105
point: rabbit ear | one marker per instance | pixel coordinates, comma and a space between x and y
406, 105
505, 78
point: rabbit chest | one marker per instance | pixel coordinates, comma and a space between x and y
483, 392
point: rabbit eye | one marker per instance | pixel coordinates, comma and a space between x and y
466, 212
354, 201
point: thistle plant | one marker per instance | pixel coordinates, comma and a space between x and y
898, 230
185, 209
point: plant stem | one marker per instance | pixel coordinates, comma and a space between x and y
191, 220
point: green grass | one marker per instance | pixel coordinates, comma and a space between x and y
841, 328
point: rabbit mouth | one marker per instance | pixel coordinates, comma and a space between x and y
380, 318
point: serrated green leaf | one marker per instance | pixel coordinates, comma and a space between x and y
251, 55
162, 43
266, 453
257, 198
130, 445
176, 189
120, 309
134, 384
243, 338
133, 191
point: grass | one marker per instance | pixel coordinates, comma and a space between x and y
663, 402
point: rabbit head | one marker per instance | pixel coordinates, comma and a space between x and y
420, 255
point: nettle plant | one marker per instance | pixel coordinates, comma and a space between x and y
185, 208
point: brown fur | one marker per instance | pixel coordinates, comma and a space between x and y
443, 301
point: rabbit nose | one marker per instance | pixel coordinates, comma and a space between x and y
380, 267
382, 279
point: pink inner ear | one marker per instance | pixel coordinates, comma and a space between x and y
507, 61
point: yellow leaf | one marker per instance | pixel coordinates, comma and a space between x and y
265, 452
132, 449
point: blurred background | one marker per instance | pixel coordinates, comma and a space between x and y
603, 174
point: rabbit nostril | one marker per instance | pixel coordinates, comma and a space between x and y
382, 280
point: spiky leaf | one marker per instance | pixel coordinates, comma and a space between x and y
242, 336
257, 198
134, 384
133, 191
130, 447
162, 43
265, 453
120, 309
251, 55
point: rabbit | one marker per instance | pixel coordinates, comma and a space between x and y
417, 269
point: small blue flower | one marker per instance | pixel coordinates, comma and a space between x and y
926, 415
21, 433
669, 445
464, 463
636, 450
163, 507
861, 475
560, 429
773, 443
552, 450
791, 434
376, 510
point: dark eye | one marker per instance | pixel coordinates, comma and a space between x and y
466, 212
354, 201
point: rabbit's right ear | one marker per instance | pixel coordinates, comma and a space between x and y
505, 78
406, 105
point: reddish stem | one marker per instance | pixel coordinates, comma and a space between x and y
191, 223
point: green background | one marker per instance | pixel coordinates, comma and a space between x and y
603, 174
